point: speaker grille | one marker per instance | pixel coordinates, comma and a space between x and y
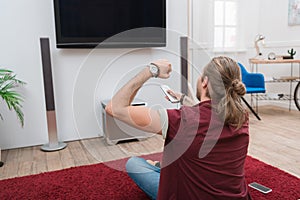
47, 74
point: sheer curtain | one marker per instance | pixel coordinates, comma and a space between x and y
216, 27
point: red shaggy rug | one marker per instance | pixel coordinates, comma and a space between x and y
103, 181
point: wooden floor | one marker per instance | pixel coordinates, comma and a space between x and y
275, 140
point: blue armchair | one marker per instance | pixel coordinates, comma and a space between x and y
255, 83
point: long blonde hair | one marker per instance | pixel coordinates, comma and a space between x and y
226, 89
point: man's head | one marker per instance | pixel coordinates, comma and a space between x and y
221, 82
221, 74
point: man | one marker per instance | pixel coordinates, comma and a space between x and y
205, 144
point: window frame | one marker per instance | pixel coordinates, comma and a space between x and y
224, 26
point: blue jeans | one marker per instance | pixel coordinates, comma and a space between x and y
145, 175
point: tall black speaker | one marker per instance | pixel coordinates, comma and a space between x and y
184, 64
53, 144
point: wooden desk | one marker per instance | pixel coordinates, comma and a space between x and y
255, 62
266, 61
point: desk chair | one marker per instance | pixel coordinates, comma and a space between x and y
255, 83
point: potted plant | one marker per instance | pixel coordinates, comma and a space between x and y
13, 100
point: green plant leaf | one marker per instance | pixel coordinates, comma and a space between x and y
8, 84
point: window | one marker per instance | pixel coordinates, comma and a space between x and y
225, 24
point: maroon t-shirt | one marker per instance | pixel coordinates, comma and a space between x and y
203, 158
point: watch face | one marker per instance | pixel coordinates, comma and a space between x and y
153, 70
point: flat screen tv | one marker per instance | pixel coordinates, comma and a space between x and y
110, 23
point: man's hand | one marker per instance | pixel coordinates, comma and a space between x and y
165, 68
177, 95
184, 100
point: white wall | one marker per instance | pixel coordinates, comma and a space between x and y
265, 17
279, 38
82, 78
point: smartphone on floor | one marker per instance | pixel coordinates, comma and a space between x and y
260, 187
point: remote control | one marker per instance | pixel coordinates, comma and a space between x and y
165, 89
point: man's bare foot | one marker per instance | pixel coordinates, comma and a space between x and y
154, 163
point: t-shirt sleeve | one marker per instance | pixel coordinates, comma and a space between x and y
174, 121
163, 121
170, 121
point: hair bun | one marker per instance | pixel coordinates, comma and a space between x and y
238, 87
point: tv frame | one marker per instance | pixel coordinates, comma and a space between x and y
79, 42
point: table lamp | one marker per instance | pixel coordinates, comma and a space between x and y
258, 38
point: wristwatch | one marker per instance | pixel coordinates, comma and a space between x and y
154, 70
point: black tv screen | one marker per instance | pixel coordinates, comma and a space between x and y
110, 23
